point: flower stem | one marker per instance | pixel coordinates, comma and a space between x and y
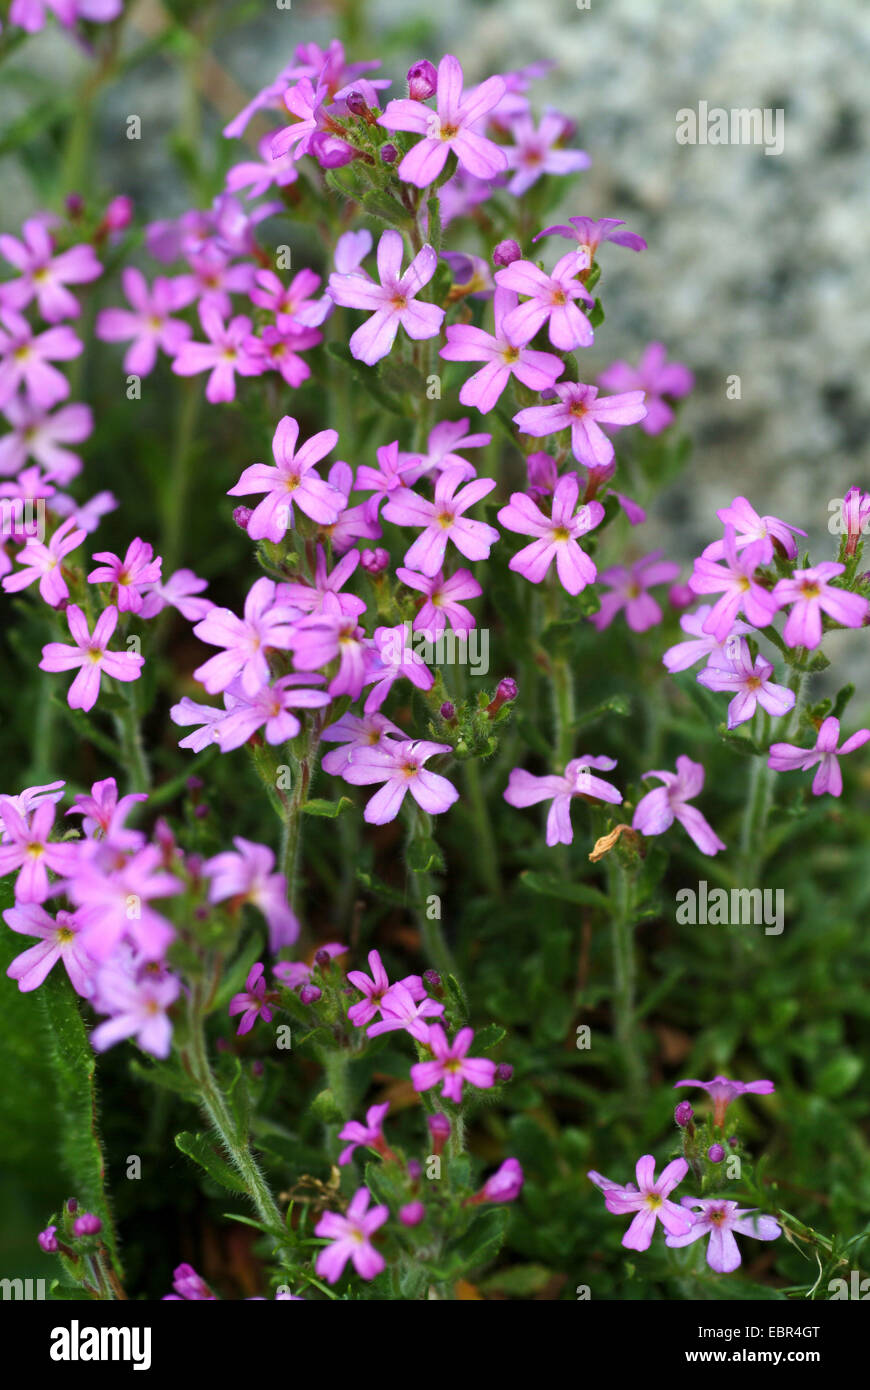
624, 977
130, 737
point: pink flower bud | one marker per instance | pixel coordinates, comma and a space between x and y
412, 1214
683, 1113
309, 994
505, 1184
87, 1224
375, 561
506, 253
48, 1240
422, 80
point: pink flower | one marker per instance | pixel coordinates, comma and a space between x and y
722, 1092
354, 731
59, 940
350, 1239
114, 903
392, 302
719, 1219
402, 768
278, 349
130, 575
43, 562
251, 1003
751, 684
504, 1185
293, 973
138, 1007
328, 634
581, 410
272, 706
26, 847
649, 1200
443, 445
369, 1134
213, 279
810, 594
43, 275
657, 379
400, 1009
393, 472
557, 535
787, 757
452, 1065
855, 516
524, 789
103, 814
25, 360
629, 591
658, 810
293, 481
292, 304
259, 175
223, 355
453, 127
148, 322
589, 234
443, 519
306, 103
735, 580
246, 640
505, 355
392, 658
42, 436
702, 644
188, 1285
246, 876
442, 599
375, 987
310, 598
749, 527
534, 152
177, 592
91, 655
551, 300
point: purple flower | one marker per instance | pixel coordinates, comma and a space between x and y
114, 903
291, 304
412, 1213
149, 322
43, 562
658, 810
505, 355
524, 789
551, 300
751, 684
392, 302
251, 1003
87, 1224
504, 1185
26, 847
177, 592
722, 1092
629, 591
58, 940
44, 275
354, 731
25, 360
329, 634
369, 1134
557, 535
443, 445
719, 1219
402, 768
246, 640
225, 353
259, 175
130, 575
42, 436
103, 814
48, 1240
810, 595
533, 152
246, 876
442, 604
375, 987
735, 580
294, 973
452, 1065
787, 757
452, 127
589, 234
401, 1010
272, 706
394, 471
390, 659
580, 409
350, 1239
649, 1200
310, 598
91, 655
189, 1286
657, 378
443, 519
702, 644
306, 103
749, 527
293, 481
855, 515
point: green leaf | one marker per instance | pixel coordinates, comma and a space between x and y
552, 887
319, 806
201, 1150
424, 855
840, 1074
74, 1065
518, 1281
481, 1243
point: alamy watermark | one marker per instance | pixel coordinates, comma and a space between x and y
447, 648
739, 907
714, 125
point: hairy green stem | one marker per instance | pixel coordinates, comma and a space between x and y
624, 978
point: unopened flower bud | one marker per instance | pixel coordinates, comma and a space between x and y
448, 710
119, 214
506, 253
422, 80
389, 154
412, 1214
439, 1128
505, 1184
72, 1206
680, 596
330, 151
375, 561
75, 205
683, 1113
87, 1224
504, 1071
241, 516
356, 103
309, 994
322, 958
415, 1170
432, 978
48, 1240
715, 1153
506, 690
201, 811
